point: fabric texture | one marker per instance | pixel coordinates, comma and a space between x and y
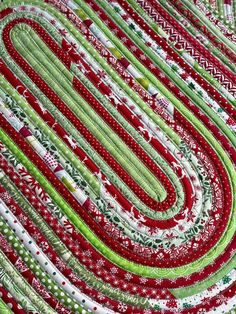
117, 156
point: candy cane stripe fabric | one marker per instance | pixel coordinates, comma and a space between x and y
117, 156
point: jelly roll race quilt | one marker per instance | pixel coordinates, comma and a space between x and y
117, 156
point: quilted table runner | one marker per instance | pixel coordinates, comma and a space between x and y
117, 156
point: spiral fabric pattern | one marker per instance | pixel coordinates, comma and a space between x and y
117, 156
